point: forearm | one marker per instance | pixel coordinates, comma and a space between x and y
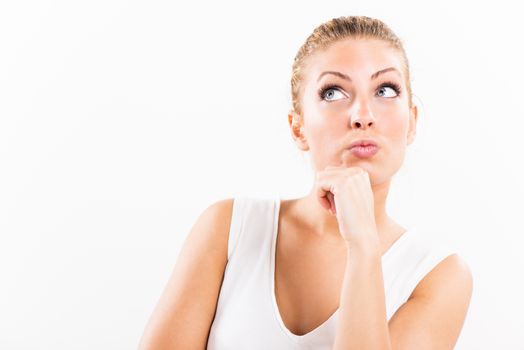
362, 323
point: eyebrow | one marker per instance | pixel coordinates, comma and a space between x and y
346, 77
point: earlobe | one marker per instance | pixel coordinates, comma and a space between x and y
296, 124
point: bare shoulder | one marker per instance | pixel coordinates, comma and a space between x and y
212, 227
184, 314
435, 312
209, 235
451, 270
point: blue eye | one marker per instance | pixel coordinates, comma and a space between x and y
391, 86
329, 91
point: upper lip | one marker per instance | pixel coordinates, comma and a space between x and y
362, 142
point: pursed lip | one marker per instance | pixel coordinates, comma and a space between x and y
363, 142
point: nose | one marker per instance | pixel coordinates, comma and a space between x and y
362, 118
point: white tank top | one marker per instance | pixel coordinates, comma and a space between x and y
247, 315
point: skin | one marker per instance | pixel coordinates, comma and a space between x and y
359, 109
340, 252
347, 202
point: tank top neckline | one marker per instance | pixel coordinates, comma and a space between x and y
295, 337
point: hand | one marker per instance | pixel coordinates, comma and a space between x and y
346, 192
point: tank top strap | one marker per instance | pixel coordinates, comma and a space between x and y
235, 226
251, 222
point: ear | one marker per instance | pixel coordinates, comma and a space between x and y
296, 123
413, 117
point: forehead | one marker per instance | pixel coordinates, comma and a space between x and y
358, 58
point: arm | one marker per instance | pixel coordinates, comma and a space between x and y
186, 309
362, 321
432, 318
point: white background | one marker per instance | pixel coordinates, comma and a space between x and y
121, 121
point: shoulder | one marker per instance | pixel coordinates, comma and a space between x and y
217, 215
219, 210
185, 311
453, 272
210, 231
434, 314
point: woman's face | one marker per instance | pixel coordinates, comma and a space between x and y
365, 104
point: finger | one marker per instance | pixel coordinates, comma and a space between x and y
322, 195
331, 199
324, 189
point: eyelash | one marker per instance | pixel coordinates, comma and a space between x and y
328, 86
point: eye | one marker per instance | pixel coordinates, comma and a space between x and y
386, 89
329, 92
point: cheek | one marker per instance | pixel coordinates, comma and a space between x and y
326, 124
395, 131
326, 136
395, 127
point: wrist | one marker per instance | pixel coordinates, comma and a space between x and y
366, 246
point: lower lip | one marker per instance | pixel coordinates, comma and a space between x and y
364, 151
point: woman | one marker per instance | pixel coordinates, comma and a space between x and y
330, 270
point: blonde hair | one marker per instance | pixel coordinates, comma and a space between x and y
355, 27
